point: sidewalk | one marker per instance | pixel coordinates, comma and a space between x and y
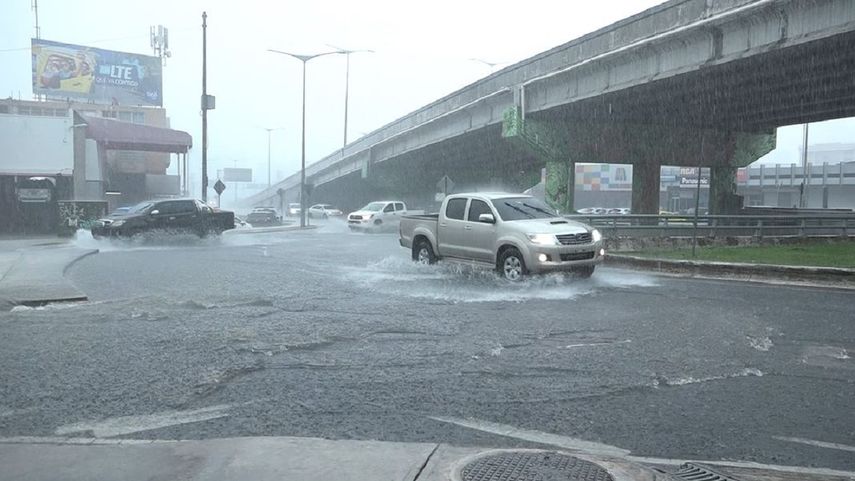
314, 459
32, 271
257, 459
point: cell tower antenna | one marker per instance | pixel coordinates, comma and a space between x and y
35, 6
159, 36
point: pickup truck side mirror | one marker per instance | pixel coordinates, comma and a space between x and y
154, 212
487, 218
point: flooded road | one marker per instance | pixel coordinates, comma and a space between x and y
332, 334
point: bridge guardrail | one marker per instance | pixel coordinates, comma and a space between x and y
712, 226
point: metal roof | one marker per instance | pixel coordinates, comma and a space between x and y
118, 135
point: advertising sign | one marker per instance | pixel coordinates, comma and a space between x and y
96, 75
236, 174
689, 176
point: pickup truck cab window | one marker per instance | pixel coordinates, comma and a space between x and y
455, 208
389, 208
374, 207
399, 206
476, 208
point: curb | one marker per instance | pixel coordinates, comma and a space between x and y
262, 230
81, 256
801, 275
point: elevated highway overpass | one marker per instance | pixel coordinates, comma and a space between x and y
689, 82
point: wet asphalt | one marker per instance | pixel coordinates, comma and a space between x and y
338, 335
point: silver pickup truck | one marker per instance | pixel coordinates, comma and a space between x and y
515, 234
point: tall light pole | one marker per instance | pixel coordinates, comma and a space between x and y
347, 53
269, 130
305, 59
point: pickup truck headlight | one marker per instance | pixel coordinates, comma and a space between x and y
117, 223
596, 236
543, 239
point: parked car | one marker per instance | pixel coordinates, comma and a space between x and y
512, 233
323, 211
376, 216
293, 210
174, 215
264, 216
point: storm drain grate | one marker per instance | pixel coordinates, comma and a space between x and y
697, 472
533, 466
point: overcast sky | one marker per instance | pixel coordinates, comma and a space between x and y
422, 53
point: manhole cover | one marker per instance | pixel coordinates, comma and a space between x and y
533, 466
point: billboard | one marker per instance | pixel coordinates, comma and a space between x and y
689, 176
96, 75
237, 174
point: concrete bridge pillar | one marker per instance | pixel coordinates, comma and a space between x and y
560, 184
645, 187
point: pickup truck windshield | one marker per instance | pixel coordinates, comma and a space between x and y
521, 208
374, 206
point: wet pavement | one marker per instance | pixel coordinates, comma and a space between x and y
334, 334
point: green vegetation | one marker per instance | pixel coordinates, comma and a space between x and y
837, 254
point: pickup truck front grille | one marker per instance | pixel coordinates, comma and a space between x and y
355, 217
573, 239
577, 256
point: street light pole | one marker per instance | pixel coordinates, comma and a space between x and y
269, 131
305, 59
347, 53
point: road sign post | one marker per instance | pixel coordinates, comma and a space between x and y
219, 187
445, 185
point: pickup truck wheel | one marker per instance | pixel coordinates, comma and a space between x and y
512, 265
423, 253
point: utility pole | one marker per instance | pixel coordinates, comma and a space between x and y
204, 107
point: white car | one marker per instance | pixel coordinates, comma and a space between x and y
380, 215
293, 210
323, 211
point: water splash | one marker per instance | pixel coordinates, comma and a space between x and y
760, 343
455, 282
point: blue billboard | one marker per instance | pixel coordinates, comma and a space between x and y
62, 70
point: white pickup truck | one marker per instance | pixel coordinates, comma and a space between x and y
377, 216
515, 234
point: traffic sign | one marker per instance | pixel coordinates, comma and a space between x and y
445, 185
219, 187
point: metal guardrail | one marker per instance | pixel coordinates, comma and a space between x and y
712, 226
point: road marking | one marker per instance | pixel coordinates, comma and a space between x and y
534, 436
819, 444
131, 424
593, 448
602, 343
